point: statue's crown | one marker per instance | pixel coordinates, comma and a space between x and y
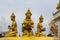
12, 15
41, 17
28, 13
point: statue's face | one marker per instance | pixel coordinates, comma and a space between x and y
12, 18
41, 20
28, 17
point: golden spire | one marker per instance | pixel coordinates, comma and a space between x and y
58, 6
28, 13
12, 15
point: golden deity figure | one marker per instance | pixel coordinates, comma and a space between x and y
13, 28
27, 25
54, 30
40, 28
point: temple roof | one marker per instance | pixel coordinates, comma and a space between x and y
58, 6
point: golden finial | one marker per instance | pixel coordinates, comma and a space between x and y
12, 15
28, 13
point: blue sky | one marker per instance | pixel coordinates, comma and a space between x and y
19, 7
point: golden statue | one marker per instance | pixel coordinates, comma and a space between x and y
13, 28
27, 24
40, 28
54, 30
